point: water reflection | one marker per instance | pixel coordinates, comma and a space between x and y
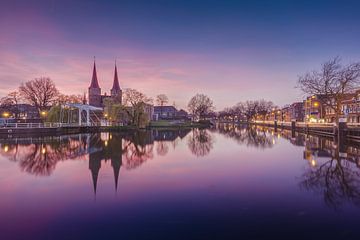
200, 142
250, 136
39, 156
332, 169
332, 173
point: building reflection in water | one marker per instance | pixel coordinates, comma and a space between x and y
39, 156
332, 170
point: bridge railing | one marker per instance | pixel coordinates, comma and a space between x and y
41, 125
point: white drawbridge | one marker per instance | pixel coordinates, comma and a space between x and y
86, 115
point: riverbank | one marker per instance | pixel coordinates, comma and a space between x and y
178, 124
50, 130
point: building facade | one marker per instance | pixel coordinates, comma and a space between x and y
94, 92
297, 111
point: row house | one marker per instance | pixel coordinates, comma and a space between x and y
351, 108
314, 109
317, 111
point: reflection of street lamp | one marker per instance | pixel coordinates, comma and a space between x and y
313, 163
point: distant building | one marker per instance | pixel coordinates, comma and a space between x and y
21, 112
297, 111
169, 113
286, 114
96, 98
314, 109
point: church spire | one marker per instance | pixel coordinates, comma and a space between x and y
94, 80
116, 85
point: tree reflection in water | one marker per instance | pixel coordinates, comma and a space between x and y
200, 142
333, 174
251, 136
41, 156
138, 148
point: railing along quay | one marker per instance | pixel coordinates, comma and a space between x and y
41, 125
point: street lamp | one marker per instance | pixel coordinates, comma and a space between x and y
43, 113
6, 114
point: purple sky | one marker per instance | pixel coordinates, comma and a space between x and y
230, 50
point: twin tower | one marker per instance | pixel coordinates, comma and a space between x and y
95, 97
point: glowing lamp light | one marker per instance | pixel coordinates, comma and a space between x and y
105, 114
313, 163
6, 114
316, 104
106, 143
43, 113
6, 148
43, 150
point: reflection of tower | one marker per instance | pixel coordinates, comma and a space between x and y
95, 157
94, 166
99, 150
116, 164
115, 149
94, 90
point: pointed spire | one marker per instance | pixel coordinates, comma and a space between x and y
84, 99
94, 166
116, 85
94, 80
94, 174
116, 164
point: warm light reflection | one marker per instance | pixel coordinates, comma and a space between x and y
6, 148
43, 150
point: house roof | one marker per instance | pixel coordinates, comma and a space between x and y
165, 109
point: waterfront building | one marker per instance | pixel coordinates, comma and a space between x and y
21, 112
314, 108
297, 111
285, 114
350, 108
169, 113
94, 92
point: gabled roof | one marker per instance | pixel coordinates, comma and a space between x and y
165, 109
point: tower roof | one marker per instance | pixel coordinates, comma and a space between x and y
94, 80
116, 85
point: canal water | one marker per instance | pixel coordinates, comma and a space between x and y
230, 182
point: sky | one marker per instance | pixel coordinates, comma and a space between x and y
229, 50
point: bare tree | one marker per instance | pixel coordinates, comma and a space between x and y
72, 98
264, 108
40, 92
249, 109
161, 100
333, 83
13, 98
200, 105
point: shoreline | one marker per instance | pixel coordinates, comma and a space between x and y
6, 133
